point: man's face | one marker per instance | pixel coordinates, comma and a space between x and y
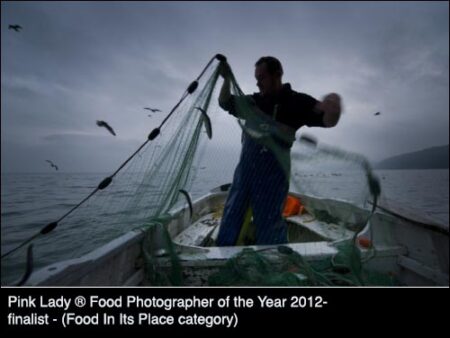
266, 82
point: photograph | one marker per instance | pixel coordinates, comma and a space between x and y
267, 145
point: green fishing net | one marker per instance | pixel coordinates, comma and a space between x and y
320, 172
283, 266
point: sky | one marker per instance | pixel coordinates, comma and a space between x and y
74, 63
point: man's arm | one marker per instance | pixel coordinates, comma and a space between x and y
225, 95
225, 92
331, 108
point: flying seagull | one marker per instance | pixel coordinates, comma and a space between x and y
107, 126
52, 164
153, 110
377, 113
17, 28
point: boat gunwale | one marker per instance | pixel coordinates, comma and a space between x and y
135, 236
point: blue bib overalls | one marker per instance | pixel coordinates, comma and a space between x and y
259, 182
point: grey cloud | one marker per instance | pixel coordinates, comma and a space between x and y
76, 62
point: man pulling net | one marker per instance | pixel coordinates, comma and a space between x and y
269, 120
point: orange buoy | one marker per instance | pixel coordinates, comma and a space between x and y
364, 242
292, 206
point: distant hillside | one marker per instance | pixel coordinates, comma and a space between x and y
430, 158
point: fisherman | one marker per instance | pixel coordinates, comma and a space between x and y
259, 180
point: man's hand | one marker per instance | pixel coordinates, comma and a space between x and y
224, 70
331, 106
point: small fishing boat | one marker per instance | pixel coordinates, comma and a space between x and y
412, 248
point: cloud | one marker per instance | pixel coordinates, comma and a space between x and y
77, 62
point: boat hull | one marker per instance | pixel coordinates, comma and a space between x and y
416, 252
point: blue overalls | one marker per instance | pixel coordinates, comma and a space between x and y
259, 182
259, 179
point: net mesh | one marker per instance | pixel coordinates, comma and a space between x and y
285, 267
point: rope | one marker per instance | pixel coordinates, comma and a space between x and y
107, 181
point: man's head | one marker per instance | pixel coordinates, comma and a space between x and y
268, 73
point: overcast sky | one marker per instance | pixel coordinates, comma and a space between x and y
74, 63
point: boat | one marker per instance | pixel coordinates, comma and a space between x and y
411, 247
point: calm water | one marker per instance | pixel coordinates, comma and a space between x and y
30, 201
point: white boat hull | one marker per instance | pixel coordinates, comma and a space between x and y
416, 252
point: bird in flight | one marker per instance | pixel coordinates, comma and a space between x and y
17, 28
107, 126
377, 113
52, 164
153, 110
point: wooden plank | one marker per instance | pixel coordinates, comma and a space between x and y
197, 233
426, 221
423, 270
135, 279
216, 256
331, 232
72, 271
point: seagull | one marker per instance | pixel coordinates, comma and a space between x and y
17, 28
150, 115
52, 164
377, 113
106, 125
153, 110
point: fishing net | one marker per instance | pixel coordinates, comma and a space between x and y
283, 266
198, 147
